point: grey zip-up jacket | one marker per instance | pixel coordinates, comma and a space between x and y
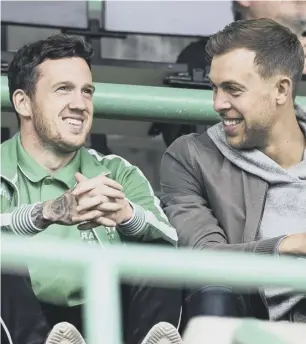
211, 202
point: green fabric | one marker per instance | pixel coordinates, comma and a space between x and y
35, 184
29, 183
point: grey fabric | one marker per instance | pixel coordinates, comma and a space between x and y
285, 206
211, 202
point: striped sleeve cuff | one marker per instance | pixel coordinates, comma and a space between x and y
136, 224
278, 245
21, 221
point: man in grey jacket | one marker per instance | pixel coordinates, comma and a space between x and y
242, 185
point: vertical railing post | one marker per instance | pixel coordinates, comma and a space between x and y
102, 306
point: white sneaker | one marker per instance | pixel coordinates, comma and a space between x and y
64, 333
163, 333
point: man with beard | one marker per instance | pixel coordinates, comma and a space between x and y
241, 185
288, 13
53, 188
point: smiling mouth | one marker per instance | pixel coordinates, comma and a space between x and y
77, 123
231, 122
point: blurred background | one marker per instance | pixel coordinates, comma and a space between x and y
153, 43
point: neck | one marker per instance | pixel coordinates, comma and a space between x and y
247, 16
45, 155
287, 149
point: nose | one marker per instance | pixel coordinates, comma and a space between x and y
77, 102
221, 101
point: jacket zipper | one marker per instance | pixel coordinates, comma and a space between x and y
14, 187
262, 211
256, 237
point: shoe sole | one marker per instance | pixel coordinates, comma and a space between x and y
163, 333
64, 333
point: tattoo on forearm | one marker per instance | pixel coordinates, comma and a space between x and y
61, 210
38, 218
58, 211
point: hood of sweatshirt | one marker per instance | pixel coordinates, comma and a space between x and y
256, 162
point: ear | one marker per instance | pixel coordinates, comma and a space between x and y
22, 103
244, 3
283, 90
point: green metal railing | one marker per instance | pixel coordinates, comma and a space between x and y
102, 269
146, 103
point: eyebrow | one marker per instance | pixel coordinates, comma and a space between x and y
227, 83
91, 86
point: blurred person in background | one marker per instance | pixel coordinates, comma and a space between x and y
288, 13
241, 186
53, 188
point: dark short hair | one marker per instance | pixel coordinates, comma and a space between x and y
22, 71
277, 49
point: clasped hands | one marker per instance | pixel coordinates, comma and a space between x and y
99, 201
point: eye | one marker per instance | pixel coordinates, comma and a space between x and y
63, 89
88, 91
234, 91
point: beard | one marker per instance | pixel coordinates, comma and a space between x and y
51, 139
258, 127
254, 138
255, 135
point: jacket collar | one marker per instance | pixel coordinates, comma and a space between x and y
9, 158
91, 161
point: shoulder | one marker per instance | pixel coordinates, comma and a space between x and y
193, 143
193, 152
118, 168
110, 160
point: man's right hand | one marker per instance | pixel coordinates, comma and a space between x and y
60, 210
94, 193
294, 244
63, 211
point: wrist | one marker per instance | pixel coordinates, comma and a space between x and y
129, 213
136, 224
37, 217
290, 244
47, 214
